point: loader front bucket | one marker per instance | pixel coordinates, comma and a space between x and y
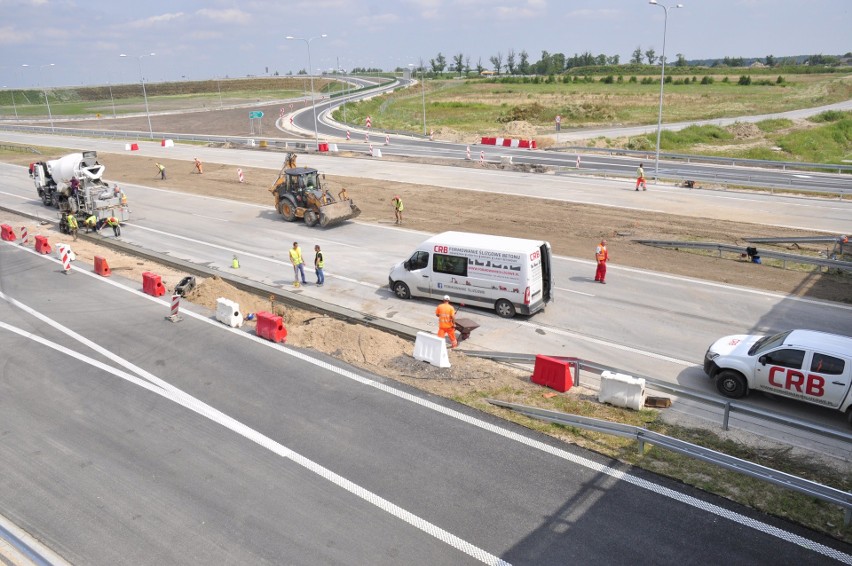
337, 212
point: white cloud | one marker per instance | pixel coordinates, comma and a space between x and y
155, 20
10, 35
231, 16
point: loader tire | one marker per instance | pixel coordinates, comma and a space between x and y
324, 220
287, 210
311, 218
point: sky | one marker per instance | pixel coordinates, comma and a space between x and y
201, 40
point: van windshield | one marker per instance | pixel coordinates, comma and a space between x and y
768, 343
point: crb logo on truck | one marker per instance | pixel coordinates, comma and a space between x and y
811, 366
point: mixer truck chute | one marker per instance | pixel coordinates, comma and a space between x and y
89, 195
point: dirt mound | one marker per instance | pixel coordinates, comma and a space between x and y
518, 129
744, 130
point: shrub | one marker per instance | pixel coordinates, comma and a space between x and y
609, 79
726, 80
632, 79
620, 79
640, 143
745, 80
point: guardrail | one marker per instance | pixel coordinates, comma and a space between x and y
766, 163
644, 436
680, 178
727, 406
827, 263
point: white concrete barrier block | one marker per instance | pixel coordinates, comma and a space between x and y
430, 348
333, 147
60, 248
622, 390
228, 312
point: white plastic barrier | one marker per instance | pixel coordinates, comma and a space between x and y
430, 348
505, 160
622, 390
377, 152
515, 143
332, 147
499, 141
168, 143
60, 248
228, 312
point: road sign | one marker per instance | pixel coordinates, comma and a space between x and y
255, 114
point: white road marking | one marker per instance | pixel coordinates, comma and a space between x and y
14, 195
210, 217
558, 452
159, 387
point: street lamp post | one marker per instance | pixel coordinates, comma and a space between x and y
44, 90
313, 104
13, 102
144, 92
111, 99
662, 80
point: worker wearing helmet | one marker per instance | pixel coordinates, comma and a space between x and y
447, 321
162, 169
111, 221
397, 208
602, 256
198, 166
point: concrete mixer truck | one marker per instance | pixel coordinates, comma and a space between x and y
74, 184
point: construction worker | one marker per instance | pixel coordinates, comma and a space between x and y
397, 208
640, 178
319, 264
602, 256
298, 264
447, 321
111, 221
198, 166
72, 225
91, 223
75, 186
162, 169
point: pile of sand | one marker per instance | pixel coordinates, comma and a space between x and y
744, 130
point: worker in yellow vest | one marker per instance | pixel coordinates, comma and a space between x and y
319, 265
397, 208
72, 225
91, 223
112, 222
298, 264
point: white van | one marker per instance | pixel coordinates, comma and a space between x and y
510, 275
811, 366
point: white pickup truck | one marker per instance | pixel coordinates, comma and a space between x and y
811, 366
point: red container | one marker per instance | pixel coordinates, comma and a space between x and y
152, 284
552, 373
42, 246
7, 233
102, 267
271, 327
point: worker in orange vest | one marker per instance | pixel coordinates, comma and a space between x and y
447, 320
198, 166
602, 256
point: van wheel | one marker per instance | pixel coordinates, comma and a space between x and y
504, 308
731, 384
401, 290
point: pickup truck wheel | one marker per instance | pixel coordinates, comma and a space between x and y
504, 308
401, 290
731, 384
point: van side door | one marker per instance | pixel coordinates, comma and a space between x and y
418, 265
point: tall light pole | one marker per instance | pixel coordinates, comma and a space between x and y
313, 104
423, 94
15, 106
144, 92
44, 90
109, 83
662, 80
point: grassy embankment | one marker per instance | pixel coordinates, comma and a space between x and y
486, 106
89, 101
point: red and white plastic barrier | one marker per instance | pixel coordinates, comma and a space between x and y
240, 175
578, 162
167, 143
387, 139
348, 137
369, 122
131, 147
431, 134
25, 238
482, 157
509, 142
467, 153
65, 252
367, 138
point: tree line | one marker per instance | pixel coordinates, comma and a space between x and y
518, 63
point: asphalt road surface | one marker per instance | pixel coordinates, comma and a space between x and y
128, 439
637, 325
